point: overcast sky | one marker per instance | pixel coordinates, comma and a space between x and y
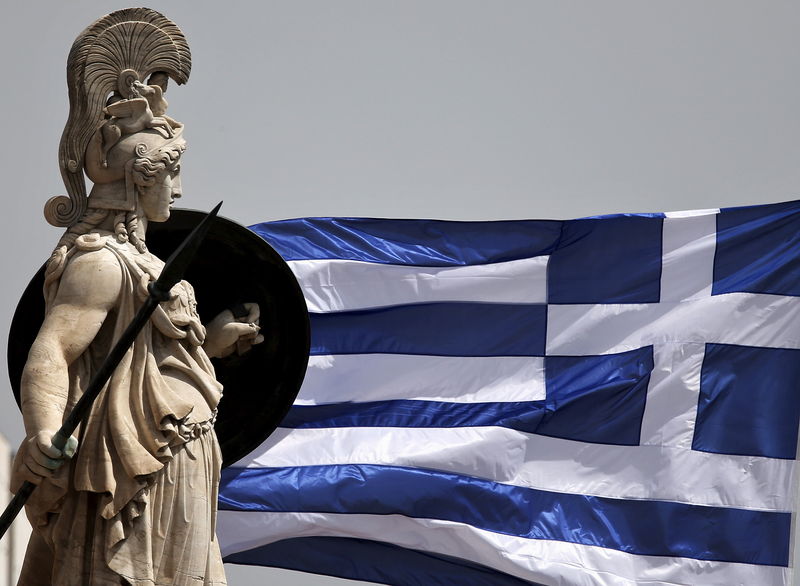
428, 108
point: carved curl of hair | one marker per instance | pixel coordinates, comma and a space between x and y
88, 222
131, 223
147, 168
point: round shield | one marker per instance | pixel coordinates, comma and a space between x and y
233, 265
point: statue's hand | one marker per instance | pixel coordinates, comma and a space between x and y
227, 333
42, 458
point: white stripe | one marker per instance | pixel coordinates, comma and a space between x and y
551, 563
512, 457
692, 213
382, 377
687, 268
343, 285
735, 318
671, 407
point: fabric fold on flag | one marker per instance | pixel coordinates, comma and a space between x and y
603, 401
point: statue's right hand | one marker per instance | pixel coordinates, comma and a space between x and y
42, 458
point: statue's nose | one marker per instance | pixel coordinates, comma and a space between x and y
176, 188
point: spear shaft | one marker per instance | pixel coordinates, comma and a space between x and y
159, 291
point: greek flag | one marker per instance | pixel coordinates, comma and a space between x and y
603, 401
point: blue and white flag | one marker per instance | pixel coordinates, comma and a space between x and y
602, 401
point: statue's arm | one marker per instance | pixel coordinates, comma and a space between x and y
88, 290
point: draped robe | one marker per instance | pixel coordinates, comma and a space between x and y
137, 503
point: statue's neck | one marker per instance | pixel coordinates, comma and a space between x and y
105, 196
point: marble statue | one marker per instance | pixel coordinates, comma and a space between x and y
136, 502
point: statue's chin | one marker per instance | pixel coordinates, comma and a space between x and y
160, 217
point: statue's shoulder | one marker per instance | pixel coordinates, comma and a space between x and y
93, 252
89, 256
89, 274
99, 251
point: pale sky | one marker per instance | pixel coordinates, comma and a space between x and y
453, 109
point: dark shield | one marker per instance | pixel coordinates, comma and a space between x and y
232, 265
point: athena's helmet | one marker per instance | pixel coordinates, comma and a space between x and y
117, 110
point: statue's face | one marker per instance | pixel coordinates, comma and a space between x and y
157, 199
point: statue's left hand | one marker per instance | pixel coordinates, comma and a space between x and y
42, 458
227, 333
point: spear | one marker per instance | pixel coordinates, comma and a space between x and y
158, 290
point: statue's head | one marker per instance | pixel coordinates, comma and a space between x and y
156, 176
118, 133
140, 170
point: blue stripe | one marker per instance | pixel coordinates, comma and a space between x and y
523, 415
634, 526
410, 242
437, 329
372, 561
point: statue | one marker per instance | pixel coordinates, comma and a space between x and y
136, 504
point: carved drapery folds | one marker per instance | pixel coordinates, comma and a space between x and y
107, 69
